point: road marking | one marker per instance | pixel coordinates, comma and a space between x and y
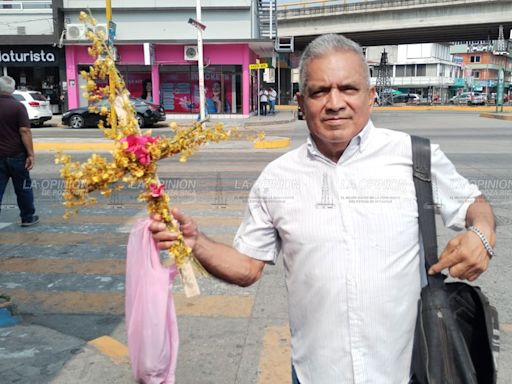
4, 225
90, 219
113, 349
73, 146
62, 265
113, 303
104, 238
272, 143
41, 238
275, 358
214, 306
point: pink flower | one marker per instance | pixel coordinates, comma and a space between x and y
143, 156
137, 144
156, 190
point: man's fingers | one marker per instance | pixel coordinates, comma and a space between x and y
186, 223
443, 263
164, 245
179, 216
164, 236
448, 257
156, 217
157, 226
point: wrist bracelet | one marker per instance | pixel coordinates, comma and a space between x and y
484, 240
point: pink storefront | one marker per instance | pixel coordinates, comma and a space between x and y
172, 81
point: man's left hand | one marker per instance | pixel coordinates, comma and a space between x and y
29, 163
464, 256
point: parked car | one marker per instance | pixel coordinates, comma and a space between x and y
38, 108
409, 98
469, 98
147, 114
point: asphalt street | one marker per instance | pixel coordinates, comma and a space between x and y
67, 277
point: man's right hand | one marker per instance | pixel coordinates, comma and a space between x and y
165, 238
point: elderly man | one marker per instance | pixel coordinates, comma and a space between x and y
16, 151
341, 210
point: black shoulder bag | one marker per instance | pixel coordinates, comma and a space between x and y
456, 339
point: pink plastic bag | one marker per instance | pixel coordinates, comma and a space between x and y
150, 315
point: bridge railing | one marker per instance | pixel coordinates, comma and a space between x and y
328, 7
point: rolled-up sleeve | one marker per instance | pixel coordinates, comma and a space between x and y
257, 237
453, 193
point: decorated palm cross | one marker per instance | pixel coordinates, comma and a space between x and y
135, 154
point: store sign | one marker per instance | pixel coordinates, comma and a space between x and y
258, 66
459, 82
25, 56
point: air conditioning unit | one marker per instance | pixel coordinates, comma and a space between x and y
101, 28
190, 53
75, 32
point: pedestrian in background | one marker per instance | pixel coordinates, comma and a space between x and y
272, 94
353, 264
16, 151
263, 102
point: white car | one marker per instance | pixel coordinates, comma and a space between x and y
37, 106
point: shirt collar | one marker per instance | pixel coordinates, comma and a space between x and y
358, 142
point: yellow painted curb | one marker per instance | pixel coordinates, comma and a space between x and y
282, 142
113, 349
506, 327
465, 108
291, 107
60, 146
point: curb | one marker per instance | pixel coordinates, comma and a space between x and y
405, 107
496, 115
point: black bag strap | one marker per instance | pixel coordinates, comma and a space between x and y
422, 177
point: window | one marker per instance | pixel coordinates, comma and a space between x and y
476, 74
409, 70
179, 90
421, 70
474, 59
400, 71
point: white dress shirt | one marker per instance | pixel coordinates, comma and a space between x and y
348, 233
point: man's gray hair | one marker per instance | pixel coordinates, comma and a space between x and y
7, 85
321, 46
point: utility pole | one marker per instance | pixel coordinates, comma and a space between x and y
108, 11
112, 89
500, 50
200, 65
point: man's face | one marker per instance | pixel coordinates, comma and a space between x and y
337, 99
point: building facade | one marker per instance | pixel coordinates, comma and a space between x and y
482, 62
157, 51
31, 48
428, 70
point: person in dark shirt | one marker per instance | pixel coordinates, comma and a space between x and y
16, 151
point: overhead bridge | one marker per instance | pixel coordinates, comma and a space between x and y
381, 22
